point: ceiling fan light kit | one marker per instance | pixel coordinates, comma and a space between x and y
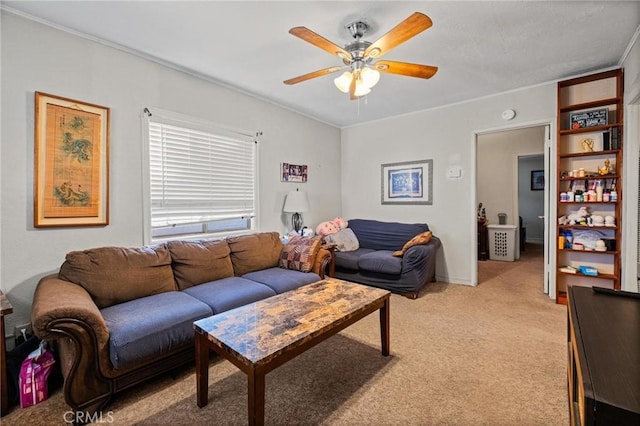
357, 56
366, 78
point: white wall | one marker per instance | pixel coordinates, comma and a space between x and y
445, 135
39, 58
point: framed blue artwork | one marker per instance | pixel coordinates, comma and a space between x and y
409, 182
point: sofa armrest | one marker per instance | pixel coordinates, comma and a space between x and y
323, 258
57, 300
418, 256
65, 312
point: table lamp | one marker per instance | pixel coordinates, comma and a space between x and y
296, 203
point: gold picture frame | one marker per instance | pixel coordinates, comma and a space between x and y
71, 182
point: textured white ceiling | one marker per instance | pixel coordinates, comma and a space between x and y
480, 47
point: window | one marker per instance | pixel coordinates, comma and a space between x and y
202, 179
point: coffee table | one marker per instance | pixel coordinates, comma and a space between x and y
262, 336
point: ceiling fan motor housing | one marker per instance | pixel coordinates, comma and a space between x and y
357, 49
358, 28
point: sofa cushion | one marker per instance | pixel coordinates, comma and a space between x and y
197, 262
254, 252
114, 275
344, 240
300, 253
381, 261
229, 293
281, 280
152, 325
378, 235
419, 239
349, 259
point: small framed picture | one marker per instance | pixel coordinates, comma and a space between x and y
537, 180
293, 173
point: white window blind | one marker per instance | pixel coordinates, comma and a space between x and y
202, 181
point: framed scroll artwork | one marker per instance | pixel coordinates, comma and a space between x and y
71, 171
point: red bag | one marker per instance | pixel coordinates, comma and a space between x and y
34, 371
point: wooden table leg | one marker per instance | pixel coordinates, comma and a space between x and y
332, 262
256, 397
384, 327
202, 369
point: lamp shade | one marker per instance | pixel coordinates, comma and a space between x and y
296, 202
370, 76
343, 82
361, 89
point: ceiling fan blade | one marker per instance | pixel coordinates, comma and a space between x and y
352, 90
404, 68
402, 32
317, 40
311, 75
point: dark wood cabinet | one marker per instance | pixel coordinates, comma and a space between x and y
483, 240
604, 358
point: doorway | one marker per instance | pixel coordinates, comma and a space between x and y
505, 160
530, 200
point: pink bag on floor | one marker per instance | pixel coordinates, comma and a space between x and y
34, 372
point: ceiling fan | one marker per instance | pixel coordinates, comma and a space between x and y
358, 56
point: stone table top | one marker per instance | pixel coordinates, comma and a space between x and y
256, 333
5, 305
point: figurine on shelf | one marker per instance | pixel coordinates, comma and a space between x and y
587, 145
606, 169
580, 217
482, 213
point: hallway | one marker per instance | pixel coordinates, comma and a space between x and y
529, 269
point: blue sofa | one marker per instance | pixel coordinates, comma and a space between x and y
374, 264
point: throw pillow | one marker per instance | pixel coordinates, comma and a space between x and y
300, 253
254, 252
419, 239
197, 262
113, 275
344, 240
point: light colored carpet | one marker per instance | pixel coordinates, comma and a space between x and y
490, 355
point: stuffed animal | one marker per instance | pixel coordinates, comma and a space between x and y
341, 222
331, 226
579, 217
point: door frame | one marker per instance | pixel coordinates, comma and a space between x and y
631, 201
550, 202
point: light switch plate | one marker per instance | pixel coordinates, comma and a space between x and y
454, 172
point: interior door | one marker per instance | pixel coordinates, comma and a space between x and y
549, 178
